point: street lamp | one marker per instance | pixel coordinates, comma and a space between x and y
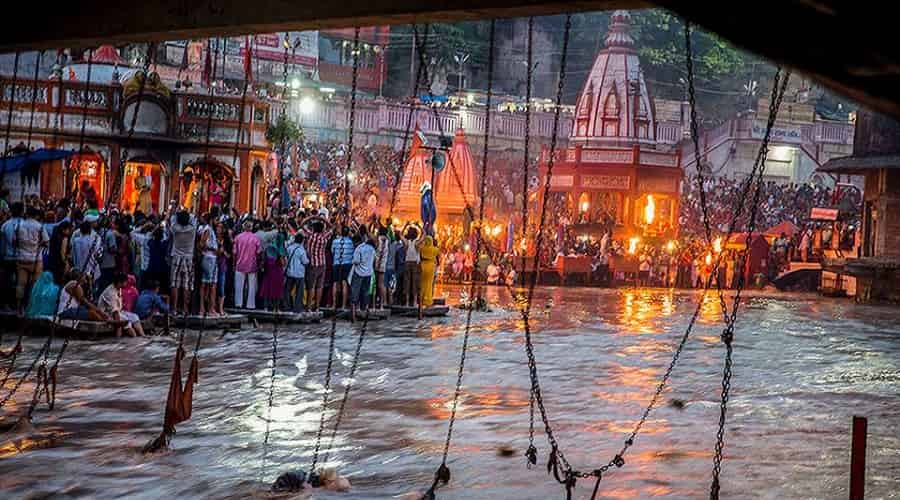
460, 59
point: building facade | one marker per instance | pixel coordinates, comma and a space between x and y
187, 147
615, 170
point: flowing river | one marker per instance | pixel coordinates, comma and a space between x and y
803, 367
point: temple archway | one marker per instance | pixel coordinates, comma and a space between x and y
257, 189
205, 184
87, 179
143, 186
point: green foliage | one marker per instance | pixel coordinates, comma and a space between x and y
283, 131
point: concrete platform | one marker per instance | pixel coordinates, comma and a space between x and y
277, 317
370, 315
209, 322
434, 311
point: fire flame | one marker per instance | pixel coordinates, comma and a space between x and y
708, 259
717, 245
649, 210
632, 245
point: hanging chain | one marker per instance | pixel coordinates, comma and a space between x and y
350, 376
556, 454
398, 175
117, 181
728, 332
271, 401
531, 452
442, 474
34, 93
9, 113
330, 364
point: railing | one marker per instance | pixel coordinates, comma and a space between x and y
839, 133
24, 91
668, 133
392, 118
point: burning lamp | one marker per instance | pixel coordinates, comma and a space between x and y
466, 247
708, 259
584, 206
717, 245
649, 210
632, 244
670, 246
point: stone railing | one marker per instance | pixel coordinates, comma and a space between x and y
392, 119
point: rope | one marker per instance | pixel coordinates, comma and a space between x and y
442, 475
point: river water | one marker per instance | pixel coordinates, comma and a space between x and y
803, 366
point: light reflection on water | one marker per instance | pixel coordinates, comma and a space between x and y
803, 367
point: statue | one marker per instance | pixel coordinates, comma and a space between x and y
143, 183
427, 210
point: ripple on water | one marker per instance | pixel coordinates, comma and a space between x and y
803, 367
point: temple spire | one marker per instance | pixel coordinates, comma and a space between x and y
619, 34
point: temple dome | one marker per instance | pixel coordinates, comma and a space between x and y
615, 107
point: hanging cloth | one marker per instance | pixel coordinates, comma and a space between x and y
179, 403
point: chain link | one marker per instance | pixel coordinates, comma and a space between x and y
531, 452
556, 452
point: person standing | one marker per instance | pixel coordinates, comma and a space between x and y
87, 250
363, 262
428, 253
30, 239
183, 233
313, 229
247, 247
223, 261
411, 270
8, 243
297, 261
110, 248
342, 251
272, 289
209, 266
382, 262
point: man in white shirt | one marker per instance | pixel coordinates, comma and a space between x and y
111, 303
30, 239
209, 266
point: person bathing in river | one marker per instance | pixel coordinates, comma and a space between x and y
111, 303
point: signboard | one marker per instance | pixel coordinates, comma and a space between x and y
818, 213
658, 185
562, 181
270, 47
611, 182
781, 133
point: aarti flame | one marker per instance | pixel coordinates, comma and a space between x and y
717, 245
649, 210
632, 245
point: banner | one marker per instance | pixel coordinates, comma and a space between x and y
303, 47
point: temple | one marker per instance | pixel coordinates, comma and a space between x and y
614, 172
456, 182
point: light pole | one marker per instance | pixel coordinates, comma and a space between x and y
460, 59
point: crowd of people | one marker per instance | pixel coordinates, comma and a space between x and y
777, 203
125, 267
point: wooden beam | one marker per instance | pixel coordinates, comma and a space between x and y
848, 47
83, 23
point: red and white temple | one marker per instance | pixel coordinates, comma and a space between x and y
456, 182
613, 167
454, 186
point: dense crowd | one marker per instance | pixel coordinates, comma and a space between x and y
125, 267
777, 203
